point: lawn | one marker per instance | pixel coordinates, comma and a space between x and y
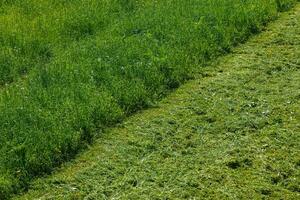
232, 133
69, 69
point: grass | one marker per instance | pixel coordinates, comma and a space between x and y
233, 133
68, 69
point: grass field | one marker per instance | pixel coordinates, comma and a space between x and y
232, 133
68, 69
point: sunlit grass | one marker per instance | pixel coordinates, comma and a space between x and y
70, 68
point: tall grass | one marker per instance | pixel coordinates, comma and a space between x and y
68, 69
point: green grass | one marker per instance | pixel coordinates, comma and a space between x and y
233, 133
68, 69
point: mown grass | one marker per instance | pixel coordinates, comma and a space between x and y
70, 68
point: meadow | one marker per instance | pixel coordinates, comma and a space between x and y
69, 69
